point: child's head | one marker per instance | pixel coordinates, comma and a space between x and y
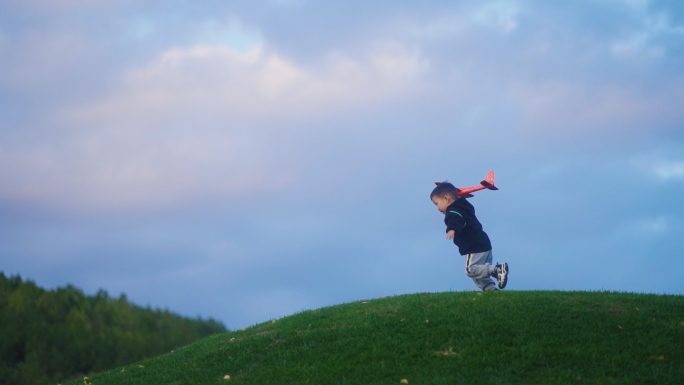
444, 189
443, 195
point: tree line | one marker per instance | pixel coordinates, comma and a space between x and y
47, 336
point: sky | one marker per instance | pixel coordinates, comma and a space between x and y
247, 160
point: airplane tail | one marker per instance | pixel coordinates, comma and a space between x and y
488, 182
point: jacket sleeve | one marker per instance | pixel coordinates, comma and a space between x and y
454, 221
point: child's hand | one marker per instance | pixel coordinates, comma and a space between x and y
450, 234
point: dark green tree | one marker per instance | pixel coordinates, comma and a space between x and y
48, 336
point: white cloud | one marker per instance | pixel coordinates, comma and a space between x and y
642, 40
231, 33
30, 9
197, 122
646, 228
58, 4
103, 172
565, 106
37, 58
256, 85
500, 14
661, 165
669, 170
290, 2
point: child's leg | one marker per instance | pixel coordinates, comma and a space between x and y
479, 268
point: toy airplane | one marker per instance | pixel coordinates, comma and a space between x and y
487, 183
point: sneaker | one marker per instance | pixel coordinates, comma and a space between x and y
501, 275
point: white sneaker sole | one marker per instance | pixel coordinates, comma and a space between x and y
503, 277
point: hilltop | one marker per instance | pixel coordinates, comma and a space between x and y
443, 338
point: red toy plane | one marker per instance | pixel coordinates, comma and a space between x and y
487, 183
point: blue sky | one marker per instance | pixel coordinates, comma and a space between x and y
245, 160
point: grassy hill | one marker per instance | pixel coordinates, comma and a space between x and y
444, 338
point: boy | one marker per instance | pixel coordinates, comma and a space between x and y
466, 231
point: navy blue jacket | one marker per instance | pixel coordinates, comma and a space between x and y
468, 233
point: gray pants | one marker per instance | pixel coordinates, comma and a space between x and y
479, 267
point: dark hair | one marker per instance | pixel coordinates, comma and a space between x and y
443, 189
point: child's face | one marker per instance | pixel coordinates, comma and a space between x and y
442, 203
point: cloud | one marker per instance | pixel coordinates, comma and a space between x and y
664, 165
497, 16
108, 172
228, 115
48, 5
255, 85
34, 59
232, 33
559, 70
198, 122
646, 230
500, 14
670, 170
562, 106
653, 34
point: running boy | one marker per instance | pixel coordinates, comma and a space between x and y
466, 231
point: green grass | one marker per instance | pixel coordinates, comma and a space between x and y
451, 338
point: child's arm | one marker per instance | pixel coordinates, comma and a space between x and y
454, 222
